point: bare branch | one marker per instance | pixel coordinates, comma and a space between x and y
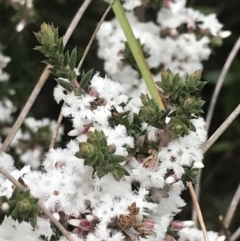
75, 21
198, 210
235, 235
94, 35
209, 143
221, 129
25, 109
220, 82
211, 110
232, 208
56, 129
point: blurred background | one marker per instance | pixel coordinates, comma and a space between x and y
221, 175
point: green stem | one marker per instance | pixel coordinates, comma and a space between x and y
137, 53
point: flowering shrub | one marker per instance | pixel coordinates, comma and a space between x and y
121, 177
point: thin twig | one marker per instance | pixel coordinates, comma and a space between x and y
232, 208
25, 109
94, 35
220, 82
198, 210
210, 142
235, 235
41, 81
224, 231
56, 129
221, 129
211, 111
197, 191
76, 20
60, 117
40, 205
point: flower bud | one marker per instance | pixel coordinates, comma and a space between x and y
56, 215
73, 132
178, 225
5, 207
148, 224
76, 214
196, 75
85, 225
90, 217
187, 103
198, 165
170, 180
138, 218
91, 129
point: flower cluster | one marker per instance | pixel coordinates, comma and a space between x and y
180, 38
137, 207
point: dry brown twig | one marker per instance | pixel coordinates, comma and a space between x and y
235, 235
232, 208
211, 110
60, 117
216, 135
220, 81
198, 210
25, 111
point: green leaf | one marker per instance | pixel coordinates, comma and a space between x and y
66, 58
116, 158
84, 84
73, 59
65, 84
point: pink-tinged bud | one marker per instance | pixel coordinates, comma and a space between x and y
85, 225
93, 92
148, 224
60, 166
178, 225
87, 128
78, 232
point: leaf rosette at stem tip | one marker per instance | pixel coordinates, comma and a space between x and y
23, 207
100, 156
63, 64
